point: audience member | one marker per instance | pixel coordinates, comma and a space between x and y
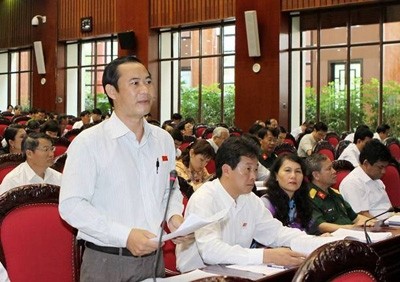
39, 152
17, 112
268, 140
286, 195
32, 126
330, 210
308, 141
228, 241
85, 120
178, 140
13, 136
352, 152
51, 128
362, 187
62, 122
382, 132
271, 123
97, 116
255, 128
116, 179
282, 135
186, 128
350, 136
168, 126
176, 118
38, 115
262, 172
192, 165
301, 129
219, 135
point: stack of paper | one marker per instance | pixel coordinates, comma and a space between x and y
393, 220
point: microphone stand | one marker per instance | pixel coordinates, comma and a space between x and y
172, 178
367, 237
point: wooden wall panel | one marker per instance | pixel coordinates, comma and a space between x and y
70, 13
15, 27
295, 5
167, 13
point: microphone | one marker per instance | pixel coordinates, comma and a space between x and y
172, 177
367, 238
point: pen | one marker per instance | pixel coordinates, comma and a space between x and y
277, 266
157, 165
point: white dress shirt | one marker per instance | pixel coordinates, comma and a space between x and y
113, 183
23, 174
228, 241
365, 194
307, 142
351, 154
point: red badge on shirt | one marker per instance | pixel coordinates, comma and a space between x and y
165, 158
321, 195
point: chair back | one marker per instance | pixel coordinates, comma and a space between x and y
391, 179
284, 149
70, 135
325, 148
22, 120
394, 149
333, 138
338, 259
211, 166
343, 168
8, 162
36, 244
59, 163
289, 139
199, 129
340, 147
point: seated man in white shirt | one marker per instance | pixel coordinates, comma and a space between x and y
219, 135
228, 241
362, 187
308, 141
352, 152
382, 132
85, 120
39, 152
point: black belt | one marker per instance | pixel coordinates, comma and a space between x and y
113, 250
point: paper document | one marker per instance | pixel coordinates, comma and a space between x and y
191, 224
393, 220
190, 276
360, 235
260, 268
307, 244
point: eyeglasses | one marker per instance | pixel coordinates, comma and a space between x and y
46, 149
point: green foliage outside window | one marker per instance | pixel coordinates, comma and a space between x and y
210, 104
102, 102
363, 106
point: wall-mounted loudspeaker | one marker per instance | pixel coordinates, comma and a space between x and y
37, 46
253, 41
127, 40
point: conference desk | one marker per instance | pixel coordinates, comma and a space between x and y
388, 250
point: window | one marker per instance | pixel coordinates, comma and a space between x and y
197, 68
345, 67
84, 69
16, 78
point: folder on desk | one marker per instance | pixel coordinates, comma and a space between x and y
393, 220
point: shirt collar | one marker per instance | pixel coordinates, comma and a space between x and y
116, 128
31, 174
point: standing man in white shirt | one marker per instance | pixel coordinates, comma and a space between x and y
228, 241
39, 152
352, 152
116, 181
362, 187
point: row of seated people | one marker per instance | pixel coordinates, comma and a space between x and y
311, 206
243, 172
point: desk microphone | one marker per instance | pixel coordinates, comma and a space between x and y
391, 209
172, 177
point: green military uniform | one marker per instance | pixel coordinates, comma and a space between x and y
329, 207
